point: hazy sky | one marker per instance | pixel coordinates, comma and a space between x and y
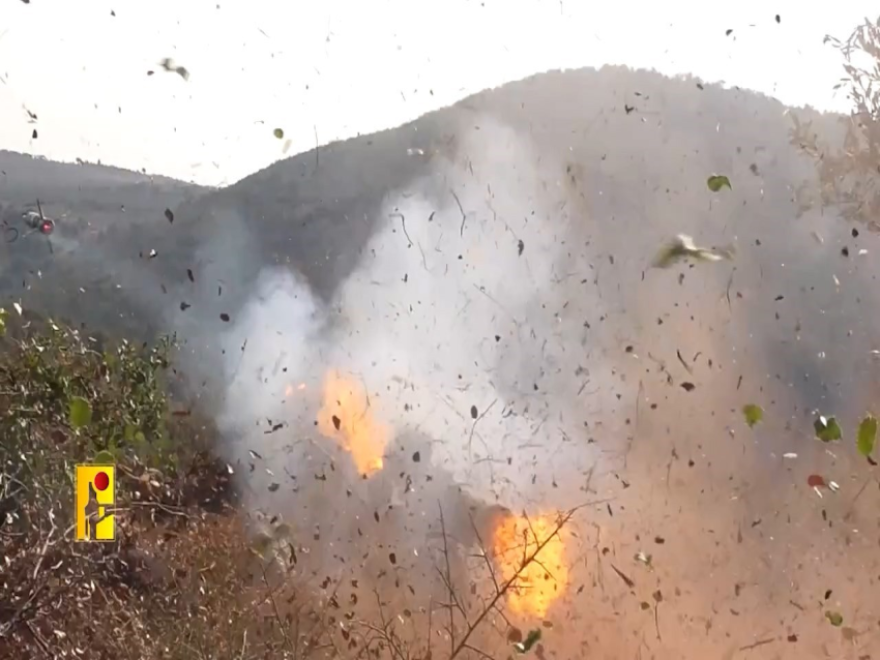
332, 69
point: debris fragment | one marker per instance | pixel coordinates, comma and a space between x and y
683, 247
834, 618
531, 639
718, 181
171, 67
816, 481
827, 429
867, 435
753, 414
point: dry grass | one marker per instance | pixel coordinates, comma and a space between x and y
186, 578
181, 582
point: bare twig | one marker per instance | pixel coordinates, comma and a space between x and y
275, 610
506, 586
760, 642
403, 224
485, 555
477, 421
448, 582
461, 210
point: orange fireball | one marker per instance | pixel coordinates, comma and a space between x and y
346, 416
544, 577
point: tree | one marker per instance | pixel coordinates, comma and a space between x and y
849, 175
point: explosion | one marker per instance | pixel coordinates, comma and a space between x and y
346, 417
543, 579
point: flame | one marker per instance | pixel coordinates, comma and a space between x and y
346, 417
544, 579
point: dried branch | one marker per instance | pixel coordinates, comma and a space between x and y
485, 555
282, 626
509, 583
448, 582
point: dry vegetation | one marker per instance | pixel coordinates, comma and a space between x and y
179, 583
848, 175
185, 580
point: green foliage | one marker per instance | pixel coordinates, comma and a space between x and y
753, 414
827, 429
80, 413
531, 639
834, 618
63, 401
718, 181
867, 435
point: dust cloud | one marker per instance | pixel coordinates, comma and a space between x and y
468, 300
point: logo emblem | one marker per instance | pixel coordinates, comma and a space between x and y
95, 502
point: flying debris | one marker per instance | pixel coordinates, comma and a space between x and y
683, 247
172, 67
34, 222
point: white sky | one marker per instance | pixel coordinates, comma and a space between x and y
342, 67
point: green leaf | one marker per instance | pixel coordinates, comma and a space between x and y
683, 247
827, 429
835, 618
867, 435
717, 181
279, 133
531, 639
80, 412
2, 322
103, 457
753, 414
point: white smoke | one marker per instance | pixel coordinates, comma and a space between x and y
468, 298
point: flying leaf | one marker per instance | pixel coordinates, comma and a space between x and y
753, 414
835, 618
816, 481
80, 412
827, 429
867, 435
279, 133
171, 67
531, 639
717, 181
683, 247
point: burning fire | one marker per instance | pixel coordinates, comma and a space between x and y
346, 417
541, 581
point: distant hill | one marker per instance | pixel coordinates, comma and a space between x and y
633, 148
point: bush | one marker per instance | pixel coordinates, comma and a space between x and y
184, 581
68, 399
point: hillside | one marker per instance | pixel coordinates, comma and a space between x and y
460, 315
